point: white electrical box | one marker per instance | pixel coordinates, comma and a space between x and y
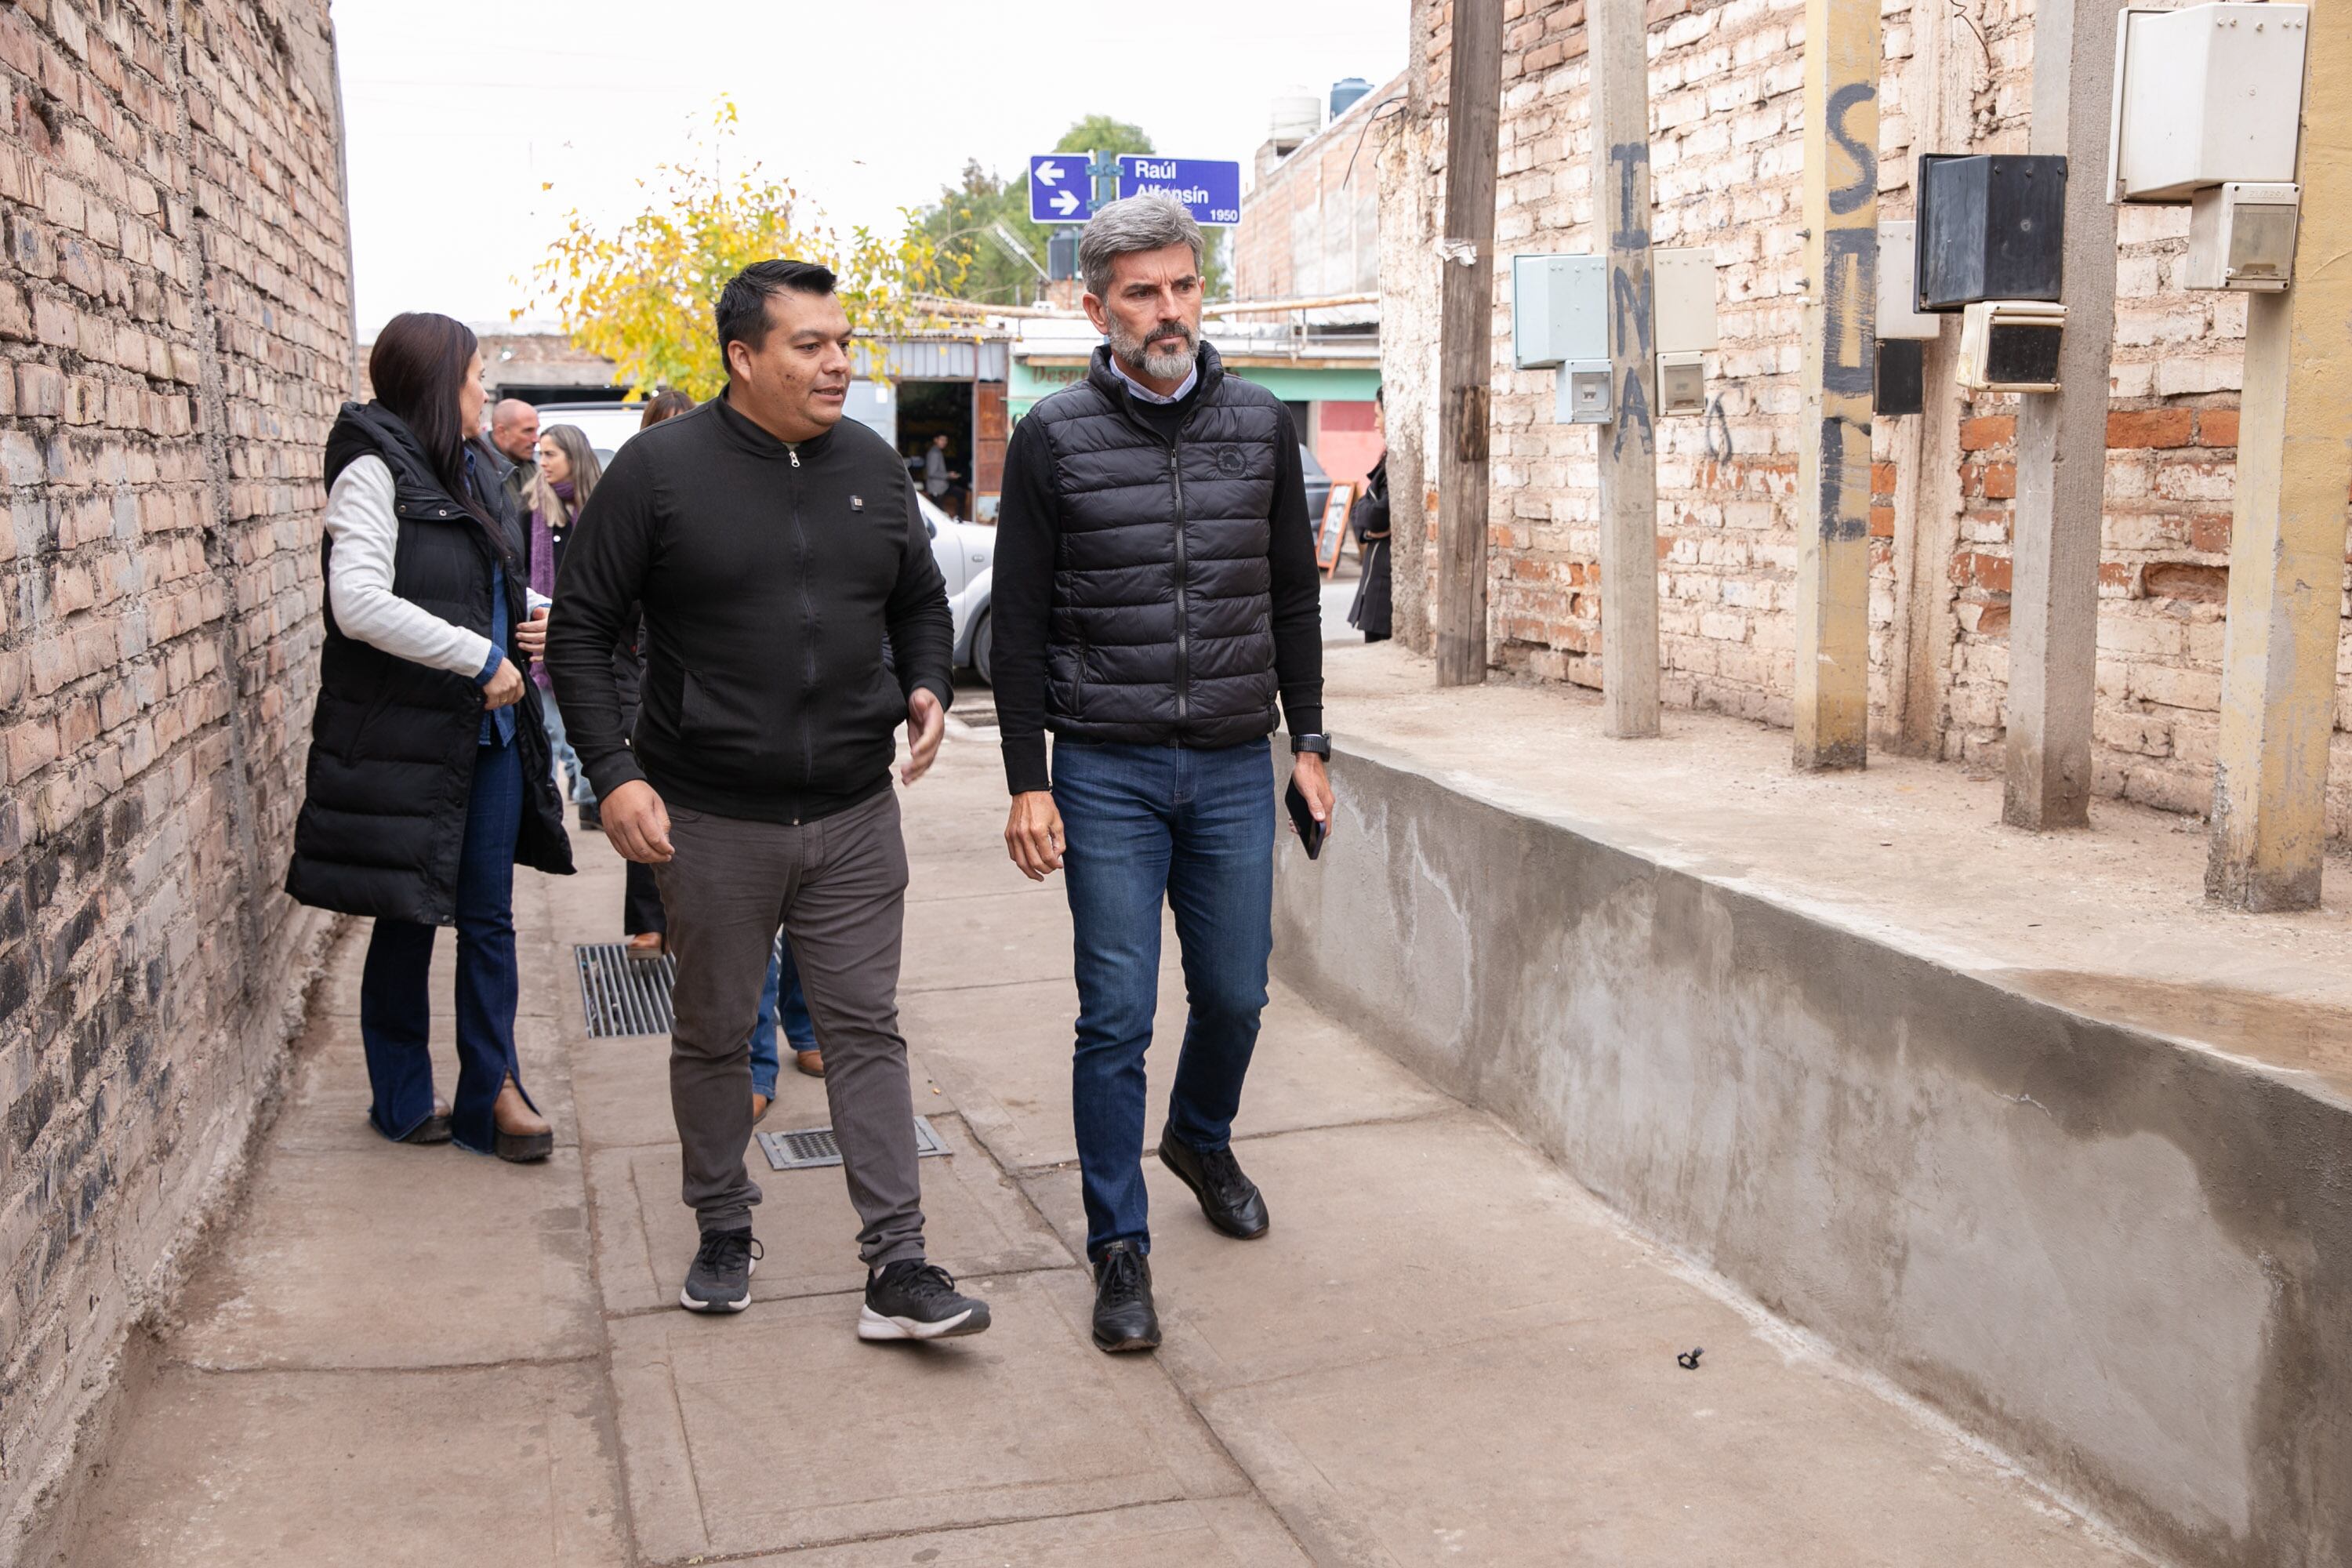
2242, 236
1560, 311
1682, 296
1585, 395
1899, 315
1681, 383
2010, 345
2204, 95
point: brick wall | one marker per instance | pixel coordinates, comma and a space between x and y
174, 337
1311, 226
1726, 105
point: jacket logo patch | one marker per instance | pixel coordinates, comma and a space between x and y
1230, 462
857, 503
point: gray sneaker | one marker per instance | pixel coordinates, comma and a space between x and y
720, 1279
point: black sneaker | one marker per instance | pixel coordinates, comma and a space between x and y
1124, 1318
720, 1279
913, 1301
1229, 1199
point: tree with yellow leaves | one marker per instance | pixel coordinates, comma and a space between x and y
641, 296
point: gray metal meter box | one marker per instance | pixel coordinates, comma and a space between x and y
2204, 95
1991, 227
1560, 311
1899, 315
2242, 236
2010, 345
1585, 395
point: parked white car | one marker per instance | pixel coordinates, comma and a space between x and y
966, 552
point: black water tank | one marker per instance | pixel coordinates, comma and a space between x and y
1346, 92
1062, 253
1989, 227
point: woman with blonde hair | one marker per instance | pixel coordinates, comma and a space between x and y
567, 475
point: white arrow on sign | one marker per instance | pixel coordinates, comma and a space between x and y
1049, 173
1065, 202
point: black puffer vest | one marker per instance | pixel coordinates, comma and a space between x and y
392, 742
1162, 624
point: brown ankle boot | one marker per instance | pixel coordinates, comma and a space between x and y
524, 1136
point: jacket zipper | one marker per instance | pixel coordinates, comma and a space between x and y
808, 632
1183, 586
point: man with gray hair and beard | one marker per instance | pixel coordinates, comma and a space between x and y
1155, 592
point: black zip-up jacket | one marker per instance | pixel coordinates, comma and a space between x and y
770, 575
1155, 580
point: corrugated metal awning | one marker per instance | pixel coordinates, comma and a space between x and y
933, 359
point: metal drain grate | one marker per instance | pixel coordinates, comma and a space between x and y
623, 995
811, 1147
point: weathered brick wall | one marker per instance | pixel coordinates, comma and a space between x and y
1727, 97
1312, 226
175, 336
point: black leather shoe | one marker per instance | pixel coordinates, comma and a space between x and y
1124, 1318
1229, 1199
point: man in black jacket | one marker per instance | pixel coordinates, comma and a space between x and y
1155, 591
772, 545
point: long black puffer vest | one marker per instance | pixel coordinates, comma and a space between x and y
1162, 623
392, 742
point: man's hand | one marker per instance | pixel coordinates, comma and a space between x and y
636, 823
505, 689
532, 636
926, 723
1314, 781
1033, 835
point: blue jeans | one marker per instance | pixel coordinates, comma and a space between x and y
395, 1003
1196, 828
570, 778
778, 999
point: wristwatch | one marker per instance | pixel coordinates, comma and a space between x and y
1318, 745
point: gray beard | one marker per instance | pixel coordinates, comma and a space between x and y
1160, 364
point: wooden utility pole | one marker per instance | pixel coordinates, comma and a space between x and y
1842, 61
2287, 539
1618, 34
1466, 368
2062, 440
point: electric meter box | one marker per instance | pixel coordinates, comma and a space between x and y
2010, 345
1900, 384
1991, 227
1682, 294
1584, 395
1682, 384
2204, 95
1899, 315
1560, 311
2242, 236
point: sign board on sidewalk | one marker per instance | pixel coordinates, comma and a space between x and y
1060, 190
1333, 532
1209, 187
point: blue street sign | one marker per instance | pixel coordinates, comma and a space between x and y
1210, 187
1060, 191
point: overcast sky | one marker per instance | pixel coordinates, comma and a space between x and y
457, 111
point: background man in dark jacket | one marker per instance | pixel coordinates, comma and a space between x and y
1156, 589
772, 545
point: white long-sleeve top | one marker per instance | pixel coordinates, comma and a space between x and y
366, 532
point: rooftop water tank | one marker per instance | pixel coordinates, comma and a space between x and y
1297, 114
1345, 92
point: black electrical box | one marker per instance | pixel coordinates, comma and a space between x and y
2022, 352
1989, 227
1901, 385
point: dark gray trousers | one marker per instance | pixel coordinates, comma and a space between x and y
837, 886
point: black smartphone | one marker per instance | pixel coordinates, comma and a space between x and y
1311, 833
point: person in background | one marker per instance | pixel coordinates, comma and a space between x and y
775, 548
782, 1005
1156, 592
1370, 613
429, 778
938, 480
514, 435
642, 920
565, 478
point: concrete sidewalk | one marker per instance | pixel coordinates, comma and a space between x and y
1444, 1352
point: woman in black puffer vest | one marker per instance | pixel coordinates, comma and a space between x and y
430, 777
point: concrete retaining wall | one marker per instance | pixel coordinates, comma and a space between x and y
2125, 1259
